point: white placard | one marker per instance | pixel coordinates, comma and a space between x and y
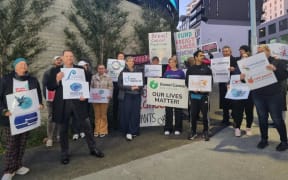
279, 50
151, 115
167, 92
132, 79
98, 95
237, 90
75, 89
153, 70
160, 46
220, 69
114, 67
256, 73
24, 107
73, 74
201, 83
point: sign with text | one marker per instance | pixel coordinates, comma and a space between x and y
279, 50
160, 46
73, 74
167, 92
220, 69
151, 115
237, 89
24, 107
132, 79
114, 67
210, 47
153, 70
98, 95
75, 89
186, 44
256, 73
200, 83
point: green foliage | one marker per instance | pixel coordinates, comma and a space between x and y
99, 23
153, 22
21, 20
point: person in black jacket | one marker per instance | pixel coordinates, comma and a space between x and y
269, 100
199, 99
64, 108
18, 80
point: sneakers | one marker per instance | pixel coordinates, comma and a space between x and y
7, 176
177, 133
166, 133
237, 132
96, 135
102, 135
22, 170
206, 136
75, 137
192, 136
282, 146
248, 132
262, 144
82, 135
49, 143
129, 137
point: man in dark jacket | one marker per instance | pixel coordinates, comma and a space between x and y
64, 108
199, 100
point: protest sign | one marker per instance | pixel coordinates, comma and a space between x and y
279, 50
160, 46
237, 89
132, 79
114, 67
153, 70
220, 69
210, 47
75, 89
98, 95
200, 83
73, 74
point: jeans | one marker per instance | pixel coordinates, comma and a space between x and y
273, 105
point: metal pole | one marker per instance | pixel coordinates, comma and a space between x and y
253, 26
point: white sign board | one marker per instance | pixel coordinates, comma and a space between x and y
153, 70
132, 79
256, 73
201, 83
167, 92
237, 90
24, 107
73, 74
114, 67
220, 69
75, 89
279, 50
98, 95
160, 46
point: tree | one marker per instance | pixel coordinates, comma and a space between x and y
99, 23
21, 20
153, 21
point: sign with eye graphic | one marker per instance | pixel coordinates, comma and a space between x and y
24, 107
114, 67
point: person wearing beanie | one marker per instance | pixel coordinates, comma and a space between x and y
51, 126
16, 81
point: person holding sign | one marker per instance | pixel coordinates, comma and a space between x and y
64, 108
103, 83
199, 99
130, 90
269, 100
17, 81
173, 73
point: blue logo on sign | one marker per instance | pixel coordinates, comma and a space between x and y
101, 91
72, 72
76, 87
24, 102
26, 120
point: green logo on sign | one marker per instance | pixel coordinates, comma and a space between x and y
153, 84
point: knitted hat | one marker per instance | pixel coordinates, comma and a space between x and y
16, 61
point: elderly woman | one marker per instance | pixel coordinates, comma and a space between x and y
101, 80
129, 103
18, 80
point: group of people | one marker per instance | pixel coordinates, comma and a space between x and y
268, 100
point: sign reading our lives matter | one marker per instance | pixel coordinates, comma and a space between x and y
24, 107
114, 67
256, 73
151, 115
132, 79
186, 44
160, 46
167, 92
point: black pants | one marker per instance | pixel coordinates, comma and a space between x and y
198, 105
169, 119
225, 104
238, 108
70, 110
114, 123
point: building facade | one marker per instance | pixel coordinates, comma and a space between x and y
274, 9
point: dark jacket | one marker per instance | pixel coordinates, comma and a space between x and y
198, 70
281, 74
127, 89
45, 81
59, 103
6, 87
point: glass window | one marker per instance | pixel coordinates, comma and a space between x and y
272, 29
284, 39
262, 32
283, 24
